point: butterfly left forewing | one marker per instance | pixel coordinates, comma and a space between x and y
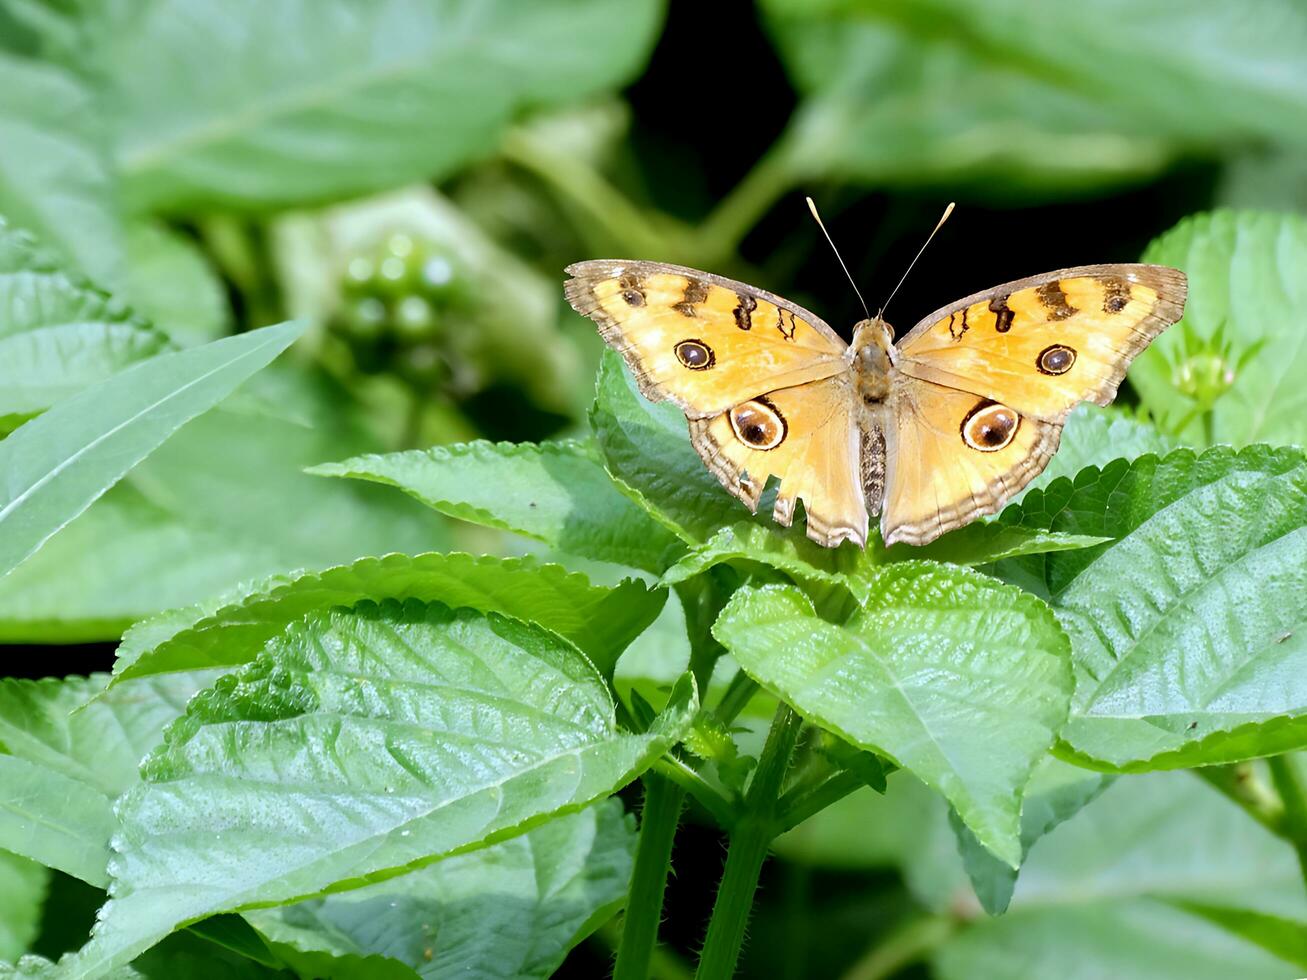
1043, 344
954, 456
698, 340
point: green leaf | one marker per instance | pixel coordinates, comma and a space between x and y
885, 101
948, 673
1286, 938
1057, 792
513, 909
184, 525
55, 820
556, 492
1188, 631
75, 727
171, 281
1244, 274
58, 333
1094, 437
54, 172
232, 630
815, 567
1103, 894
22, 892
56, 465
360, 743
213, 108
69, 750
646, 448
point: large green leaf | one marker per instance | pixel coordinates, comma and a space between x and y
1106, 894
952, 675
513, 909
887, 102
214, 106
67, 749
54, 172
1188, 630
22, 890
171, 281
55, 820
1021, 95
646, 448
362, 742
1246, 275
224, 501
556, 492
1057, 792
58, 333
1095, 436
56, 465
232, 630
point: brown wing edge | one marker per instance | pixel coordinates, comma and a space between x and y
964, 513
1171, 286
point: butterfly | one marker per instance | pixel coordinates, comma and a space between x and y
930, 432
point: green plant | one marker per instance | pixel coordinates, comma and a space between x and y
429, 658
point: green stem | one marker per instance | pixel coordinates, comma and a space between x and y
702, 598
598, 202
720, 235
750, 840
663, 800
712, 799
1209, 428
801, 803
738, 694
1239, 782
1293, 796
905, 946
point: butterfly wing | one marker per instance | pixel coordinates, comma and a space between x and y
1042, 344
703, 342
809, 438
953, 456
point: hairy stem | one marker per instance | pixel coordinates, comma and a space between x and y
1239, 782
663, 800
750, 839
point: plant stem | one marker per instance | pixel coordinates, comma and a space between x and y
801, 803
1239, 782
738, 694
905, 946
750, 840
712, 799
702, 598
1209, 428
1293, 796
663, 800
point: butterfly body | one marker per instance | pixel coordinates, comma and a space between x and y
929, 432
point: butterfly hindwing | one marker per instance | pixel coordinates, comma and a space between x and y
954, 456
1043, 344
808, 437
703, 342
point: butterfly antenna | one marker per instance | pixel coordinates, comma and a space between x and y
940, 224
817, 218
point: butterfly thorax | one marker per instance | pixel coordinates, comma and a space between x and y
872, 359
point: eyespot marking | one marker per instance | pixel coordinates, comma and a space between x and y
990, 427
695, 355
631, 291
1055, 359
758, 424
1116, 294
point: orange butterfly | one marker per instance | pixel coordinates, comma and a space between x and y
931, 433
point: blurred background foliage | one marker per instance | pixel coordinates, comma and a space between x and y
411, 176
